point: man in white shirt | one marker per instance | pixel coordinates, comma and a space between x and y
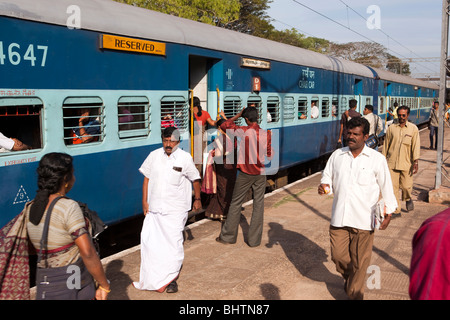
314, 110
356, 175
169, 174
11, 144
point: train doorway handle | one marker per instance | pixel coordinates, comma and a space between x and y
191, 110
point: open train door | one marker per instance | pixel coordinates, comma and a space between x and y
201, 72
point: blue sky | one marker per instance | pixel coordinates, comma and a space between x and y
415, 24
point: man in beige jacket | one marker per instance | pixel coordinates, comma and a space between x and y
402, 150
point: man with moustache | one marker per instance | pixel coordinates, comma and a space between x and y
356, 175
402, 151
169, 174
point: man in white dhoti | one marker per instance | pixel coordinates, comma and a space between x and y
166, 199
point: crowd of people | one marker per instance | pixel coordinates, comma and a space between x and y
366, 185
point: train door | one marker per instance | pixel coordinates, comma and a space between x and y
358, 92
200, 70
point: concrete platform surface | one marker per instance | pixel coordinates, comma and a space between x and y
293, 262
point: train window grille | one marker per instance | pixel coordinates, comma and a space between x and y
381, 106
175, 112
73, 108
343, 106
288, 109
334, 107
133, 117
273, 108
232, 105
325, 108
303, 108
257, 103
20, 117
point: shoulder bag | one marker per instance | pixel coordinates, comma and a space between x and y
72, 282
372, 141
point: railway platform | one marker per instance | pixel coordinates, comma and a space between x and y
293, 261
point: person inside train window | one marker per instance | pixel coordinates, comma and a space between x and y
314, 110
125, 115
167, 121
11, 144
88, 128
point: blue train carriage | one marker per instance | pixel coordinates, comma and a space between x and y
120, 61
417, 94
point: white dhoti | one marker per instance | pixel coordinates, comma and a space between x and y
162, 251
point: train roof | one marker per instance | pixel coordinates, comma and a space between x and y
116, 18
394, 77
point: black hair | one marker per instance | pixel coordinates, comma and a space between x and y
251, 114
197, 104
54, 170
359, 122
404, 108
369, 107
169, 132
219, 122
353, 103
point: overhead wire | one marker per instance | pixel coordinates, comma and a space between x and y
354, 31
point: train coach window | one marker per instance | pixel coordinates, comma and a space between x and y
175, 112
256, 102
20, 118
231, 107
273, 109
303, 108
343, 106
325, 108
288, 109
334, 107
134, 117
83, 119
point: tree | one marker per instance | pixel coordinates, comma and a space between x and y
214, 12
370, 54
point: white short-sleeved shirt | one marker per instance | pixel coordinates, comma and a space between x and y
169, 180
356, 184
5, 142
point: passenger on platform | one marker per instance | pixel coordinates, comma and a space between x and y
254, 148
169, 174
88, 128
69, 241
314, 110
402, 151
225, 164
345, 118
11, 144
434, 125
376, 124
429, 272
356, 175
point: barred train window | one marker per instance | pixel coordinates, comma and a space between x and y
231, 107
134, 117
303, 108
325, 107
256, 101
334, 106
20, 118
83, 119
175, 112
288, 109
273, 109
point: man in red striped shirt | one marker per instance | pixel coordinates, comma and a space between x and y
254, 148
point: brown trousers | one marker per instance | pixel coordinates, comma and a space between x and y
403, 180
351, 250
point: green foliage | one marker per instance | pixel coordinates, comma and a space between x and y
214, 12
